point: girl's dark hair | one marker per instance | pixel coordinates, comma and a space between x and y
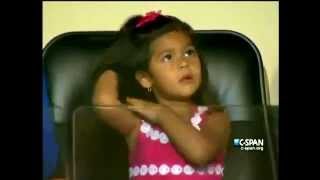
131, 52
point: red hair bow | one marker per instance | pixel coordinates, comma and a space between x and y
148, 17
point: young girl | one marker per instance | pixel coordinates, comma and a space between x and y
168, 134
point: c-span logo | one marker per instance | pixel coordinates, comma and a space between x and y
248, 144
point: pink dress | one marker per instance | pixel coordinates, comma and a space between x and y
155, 158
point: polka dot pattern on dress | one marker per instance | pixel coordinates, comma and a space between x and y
176, 169
156, 135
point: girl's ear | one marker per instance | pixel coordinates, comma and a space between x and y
144, 79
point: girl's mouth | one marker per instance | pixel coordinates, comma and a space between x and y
186, 78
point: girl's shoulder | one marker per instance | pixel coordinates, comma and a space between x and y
211, 112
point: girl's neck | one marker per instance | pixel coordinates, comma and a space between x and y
182, 108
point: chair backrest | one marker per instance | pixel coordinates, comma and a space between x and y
236, 78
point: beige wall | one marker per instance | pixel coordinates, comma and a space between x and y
259, 21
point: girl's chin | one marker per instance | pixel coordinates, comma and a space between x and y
180, 93
187, 92
184, 95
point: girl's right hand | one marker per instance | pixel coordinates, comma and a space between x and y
121, 119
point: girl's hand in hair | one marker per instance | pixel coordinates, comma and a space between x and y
149, 110
109, 108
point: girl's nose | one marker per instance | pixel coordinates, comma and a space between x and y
183, 63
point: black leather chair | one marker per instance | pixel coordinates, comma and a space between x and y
236, 77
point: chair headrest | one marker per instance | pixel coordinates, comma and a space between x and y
236, 73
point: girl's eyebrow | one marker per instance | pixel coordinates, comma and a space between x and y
172, 49
166, 50
190, 46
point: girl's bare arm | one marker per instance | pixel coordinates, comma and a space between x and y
198, 147
108, 106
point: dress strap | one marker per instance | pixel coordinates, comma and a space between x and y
203, 114
199, 116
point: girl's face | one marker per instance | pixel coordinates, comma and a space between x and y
174, 68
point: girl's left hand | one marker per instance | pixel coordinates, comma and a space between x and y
147, 109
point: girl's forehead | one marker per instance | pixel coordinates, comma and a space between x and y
171, 39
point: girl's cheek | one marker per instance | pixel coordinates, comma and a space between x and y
197, 66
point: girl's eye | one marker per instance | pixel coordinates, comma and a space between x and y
189, 52
167, 58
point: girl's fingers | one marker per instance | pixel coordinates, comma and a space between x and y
131, 107
131, 100
136, 102
135, 109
